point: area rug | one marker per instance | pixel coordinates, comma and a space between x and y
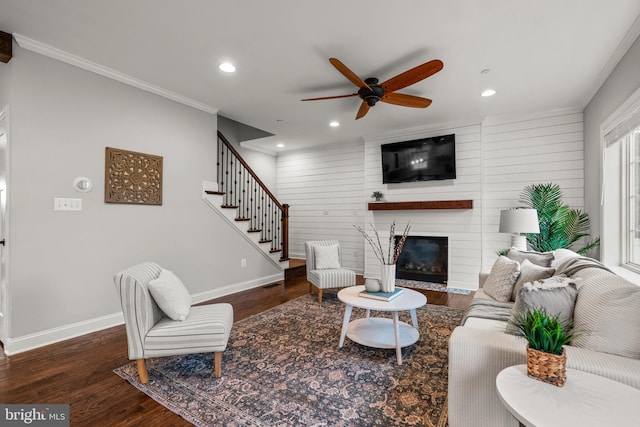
283, 367
417, 284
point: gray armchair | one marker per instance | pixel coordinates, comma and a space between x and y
324, 266
150, 333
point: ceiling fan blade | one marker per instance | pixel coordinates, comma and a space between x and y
412, 76
406, 100
364, 109
353, 78
330, 97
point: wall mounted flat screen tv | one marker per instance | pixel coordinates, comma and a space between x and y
424, 159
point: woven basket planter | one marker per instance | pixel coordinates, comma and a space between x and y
547, 367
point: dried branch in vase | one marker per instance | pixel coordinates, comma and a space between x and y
394, 249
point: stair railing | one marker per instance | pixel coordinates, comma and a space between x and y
244, 191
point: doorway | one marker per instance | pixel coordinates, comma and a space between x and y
4, 146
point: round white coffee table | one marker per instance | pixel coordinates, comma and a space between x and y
584, 400
381, 332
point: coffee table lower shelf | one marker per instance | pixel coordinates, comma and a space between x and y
378, 332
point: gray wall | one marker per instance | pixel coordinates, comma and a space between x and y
62, 263
623, 81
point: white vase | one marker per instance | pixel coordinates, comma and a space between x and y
388, 280
372, 285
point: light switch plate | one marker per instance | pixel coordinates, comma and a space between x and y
63, 204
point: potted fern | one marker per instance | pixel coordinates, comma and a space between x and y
546, 337
560, 225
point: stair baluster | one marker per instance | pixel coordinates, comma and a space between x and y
254, 202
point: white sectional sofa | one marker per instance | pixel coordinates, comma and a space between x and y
607, 310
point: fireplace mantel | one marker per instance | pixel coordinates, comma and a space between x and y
432, 204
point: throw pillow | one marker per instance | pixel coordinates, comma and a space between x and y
609, 315
503, 276
562, 258
170, 294
327, 257
543, 259
530, 272
557, 295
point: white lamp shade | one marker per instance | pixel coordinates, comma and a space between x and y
519, 220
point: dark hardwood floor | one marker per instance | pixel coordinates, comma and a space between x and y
79, 371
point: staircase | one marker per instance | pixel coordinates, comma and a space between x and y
242, 199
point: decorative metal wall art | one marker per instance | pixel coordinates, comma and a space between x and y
132, 177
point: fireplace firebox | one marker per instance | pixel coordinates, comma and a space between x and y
424, 258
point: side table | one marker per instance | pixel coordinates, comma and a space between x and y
585, 400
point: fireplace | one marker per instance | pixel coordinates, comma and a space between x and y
424, 258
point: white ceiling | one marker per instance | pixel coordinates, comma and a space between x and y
543, 55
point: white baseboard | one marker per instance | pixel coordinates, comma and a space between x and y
51, 336
40, 339
235, 288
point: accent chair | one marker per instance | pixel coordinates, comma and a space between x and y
324, 266
151, 332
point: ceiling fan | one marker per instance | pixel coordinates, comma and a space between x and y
371, 91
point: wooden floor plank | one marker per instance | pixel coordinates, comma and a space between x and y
79, 371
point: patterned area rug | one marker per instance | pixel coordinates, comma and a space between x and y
283, 367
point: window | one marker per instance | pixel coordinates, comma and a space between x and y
620, 231
631, 216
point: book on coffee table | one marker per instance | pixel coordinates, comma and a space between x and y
382, 296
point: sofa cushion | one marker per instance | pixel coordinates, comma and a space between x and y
170, 294
562, 258
502, 277
327, 257
542, 259
530, 272
556, 295
607, 314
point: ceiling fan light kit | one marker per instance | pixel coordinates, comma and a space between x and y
370, 91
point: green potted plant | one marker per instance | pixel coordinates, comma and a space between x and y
560, 225
377, 195
546, 337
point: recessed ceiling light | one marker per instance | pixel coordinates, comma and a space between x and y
227, 67
334, 124
488, 92
280, 145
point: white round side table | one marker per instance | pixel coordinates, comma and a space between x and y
584, 400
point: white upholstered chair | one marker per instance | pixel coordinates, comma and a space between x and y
324, 266
151, 333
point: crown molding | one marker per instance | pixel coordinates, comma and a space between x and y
501, 119
420, 131
623, 47
66, 57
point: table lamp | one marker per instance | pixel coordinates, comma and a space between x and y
518, 222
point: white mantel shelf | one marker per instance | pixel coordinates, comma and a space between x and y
433, 204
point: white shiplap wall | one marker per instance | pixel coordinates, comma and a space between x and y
463, 227
324, 186
329, 187
523, 150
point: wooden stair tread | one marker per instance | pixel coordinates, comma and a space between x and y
273, 251
254, 230
243, 219
265, 241
229, 207
219, 193
297, 268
